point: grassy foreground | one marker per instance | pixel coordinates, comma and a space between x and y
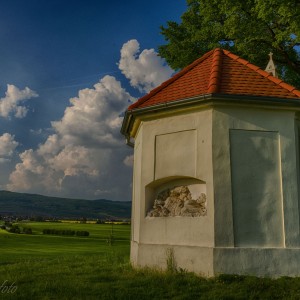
111, 277
55, 267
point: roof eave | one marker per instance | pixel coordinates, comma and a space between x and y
130, 115
126, 123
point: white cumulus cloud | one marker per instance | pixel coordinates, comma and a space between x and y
7, 147
13, 102
145, 70
94, 116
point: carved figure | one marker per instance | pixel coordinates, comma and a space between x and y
178, 202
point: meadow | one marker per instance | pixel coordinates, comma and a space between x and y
22, 246
41, 266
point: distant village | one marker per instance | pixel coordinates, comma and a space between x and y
10, 218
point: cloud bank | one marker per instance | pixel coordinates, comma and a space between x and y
86, 156
80, 151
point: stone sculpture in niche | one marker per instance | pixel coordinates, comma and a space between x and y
178, 202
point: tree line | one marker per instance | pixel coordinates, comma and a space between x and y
66, 232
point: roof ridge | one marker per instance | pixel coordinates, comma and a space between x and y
265, 74
170, 80
215, 73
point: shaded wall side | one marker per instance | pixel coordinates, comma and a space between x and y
222, 179
279, 123
256, 188
273, 262
297, 141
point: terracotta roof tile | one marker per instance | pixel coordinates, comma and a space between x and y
218, 71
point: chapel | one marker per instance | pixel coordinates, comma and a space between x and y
216, 170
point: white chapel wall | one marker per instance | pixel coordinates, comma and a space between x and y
175, 154
176, 151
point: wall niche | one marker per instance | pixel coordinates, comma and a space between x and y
176, 197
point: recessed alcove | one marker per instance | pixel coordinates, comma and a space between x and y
176, 197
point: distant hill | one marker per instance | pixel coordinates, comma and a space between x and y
32, 205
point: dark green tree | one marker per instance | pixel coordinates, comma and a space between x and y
249, 28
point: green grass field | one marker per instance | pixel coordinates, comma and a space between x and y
56, 267
22, 246
59, 267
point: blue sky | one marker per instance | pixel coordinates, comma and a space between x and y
64, 85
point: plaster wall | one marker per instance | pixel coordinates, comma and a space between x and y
266, 189
256, 188
172, 151
246, 161
264, 262
137, 171
194, 259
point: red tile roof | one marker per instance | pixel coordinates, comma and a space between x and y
218, 72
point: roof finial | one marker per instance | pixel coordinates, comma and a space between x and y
271, 68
